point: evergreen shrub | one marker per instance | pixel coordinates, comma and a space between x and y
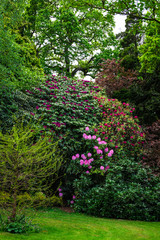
129, 191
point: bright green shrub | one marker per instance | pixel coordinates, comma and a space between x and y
26, 162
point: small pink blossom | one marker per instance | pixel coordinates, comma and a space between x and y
109, 154
81, 162
96, 147
99, 151
86, 162
74, 196
106, 168
106, 149
77, 155
89, 154
60, 194
72, 202
98, 139
94, 137
73, 157
89, 137
87, 172
59, 189
111, 151
87, 128
90, 167
84, 135
83, 156
101, 167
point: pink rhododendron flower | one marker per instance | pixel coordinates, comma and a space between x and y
101, 167
96, 147
84, 135
106, 149
89, 154
94, 137
59, 189
73, 157
81, 162
86, 162
83, 156
111, 151
87, 128
101, 157
89, 137
106, 168
99, 151
72, 202
74, 196
98, 139
77, 155
90, 167
87, 171
109, 154
60, 194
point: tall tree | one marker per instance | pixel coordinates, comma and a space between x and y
18, 61
67, 39
139, 9
130, 40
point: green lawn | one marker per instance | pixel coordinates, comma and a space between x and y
59, 225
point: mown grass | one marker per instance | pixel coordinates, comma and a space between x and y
58, 225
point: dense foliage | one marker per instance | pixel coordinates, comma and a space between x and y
64, 107
129, 191
104, 148
25, 163
152, 147
113, 77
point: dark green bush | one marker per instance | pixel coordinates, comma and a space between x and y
13, 102
129, 192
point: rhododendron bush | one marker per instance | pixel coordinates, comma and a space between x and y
120, 127
126, 191
103, 144
112, 185
64, 107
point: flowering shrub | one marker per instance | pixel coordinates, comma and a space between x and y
64, 107
92, 165
128, 191
119, 127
